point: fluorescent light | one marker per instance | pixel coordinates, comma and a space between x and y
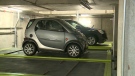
85, 15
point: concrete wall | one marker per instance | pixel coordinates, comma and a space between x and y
126, 38
7, 20
107, 25
129, 45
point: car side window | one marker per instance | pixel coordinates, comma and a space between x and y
41, 25
53, 26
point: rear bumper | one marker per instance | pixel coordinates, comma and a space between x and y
102, 40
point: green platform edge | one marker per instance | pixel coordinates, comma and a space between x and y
107, 70
107, 47
18, 74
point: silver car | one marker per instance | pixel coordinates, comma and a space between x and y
53, 34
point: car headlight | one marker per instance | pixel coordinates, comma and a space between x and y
101, 31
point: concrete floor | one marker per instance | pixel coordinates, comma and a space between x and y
53, 67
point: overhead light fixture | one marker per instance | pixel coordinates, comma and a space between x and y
85, 4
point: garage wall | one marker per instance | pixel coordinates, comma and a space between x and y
107, 25
9, 20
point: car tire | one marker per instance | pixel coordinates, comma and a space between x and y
29, 49
73, 50
92, 40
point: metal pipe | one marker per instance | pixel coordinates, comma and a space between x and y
123, 40
15, 31
77, 15
34, 4
6, 33
9, 28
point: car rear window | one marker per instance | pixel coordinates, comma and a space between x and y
30, 23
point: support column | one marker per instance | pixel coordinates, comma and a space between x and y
120, 50
126, 38
115, 30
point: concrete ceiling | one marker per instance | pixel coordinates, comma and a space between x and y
37, 7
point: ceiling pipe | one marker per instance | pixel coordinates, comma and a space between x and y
34, 4
85, 4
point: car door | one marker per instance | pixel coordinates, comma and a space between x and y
50, 33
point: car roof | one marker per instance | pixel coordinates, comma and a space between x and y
45, 18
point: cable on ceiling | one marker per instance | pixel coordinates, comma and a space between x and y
38, 5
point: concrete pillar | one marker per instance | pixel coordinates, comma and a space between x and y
126, 38
115, 30
120, 48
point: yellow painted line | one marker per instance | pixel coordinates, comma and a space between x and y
108, 42
107, 70
18, 74
58, 58
104, 46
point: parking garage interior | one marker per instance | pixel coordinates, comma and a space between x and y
103, 59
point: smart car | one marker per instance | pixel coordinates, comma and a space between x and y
52, 34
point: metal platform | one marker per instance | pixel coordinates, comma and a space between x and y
92, 63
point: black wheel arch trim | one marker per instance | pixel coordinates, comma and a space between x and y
73, 42
97, 38
30, 41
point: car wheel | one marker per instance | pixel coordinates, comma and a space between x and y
29, 49
92, 40
73, 50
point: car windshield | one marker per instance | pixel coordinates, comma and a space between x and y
69, 26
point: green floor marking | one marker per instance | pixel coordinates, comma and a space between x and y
104, 46
107, 70
18, 74
58, 58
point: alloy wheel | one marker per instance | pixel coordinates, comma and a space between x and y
73, 50
91, 40
29, 49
